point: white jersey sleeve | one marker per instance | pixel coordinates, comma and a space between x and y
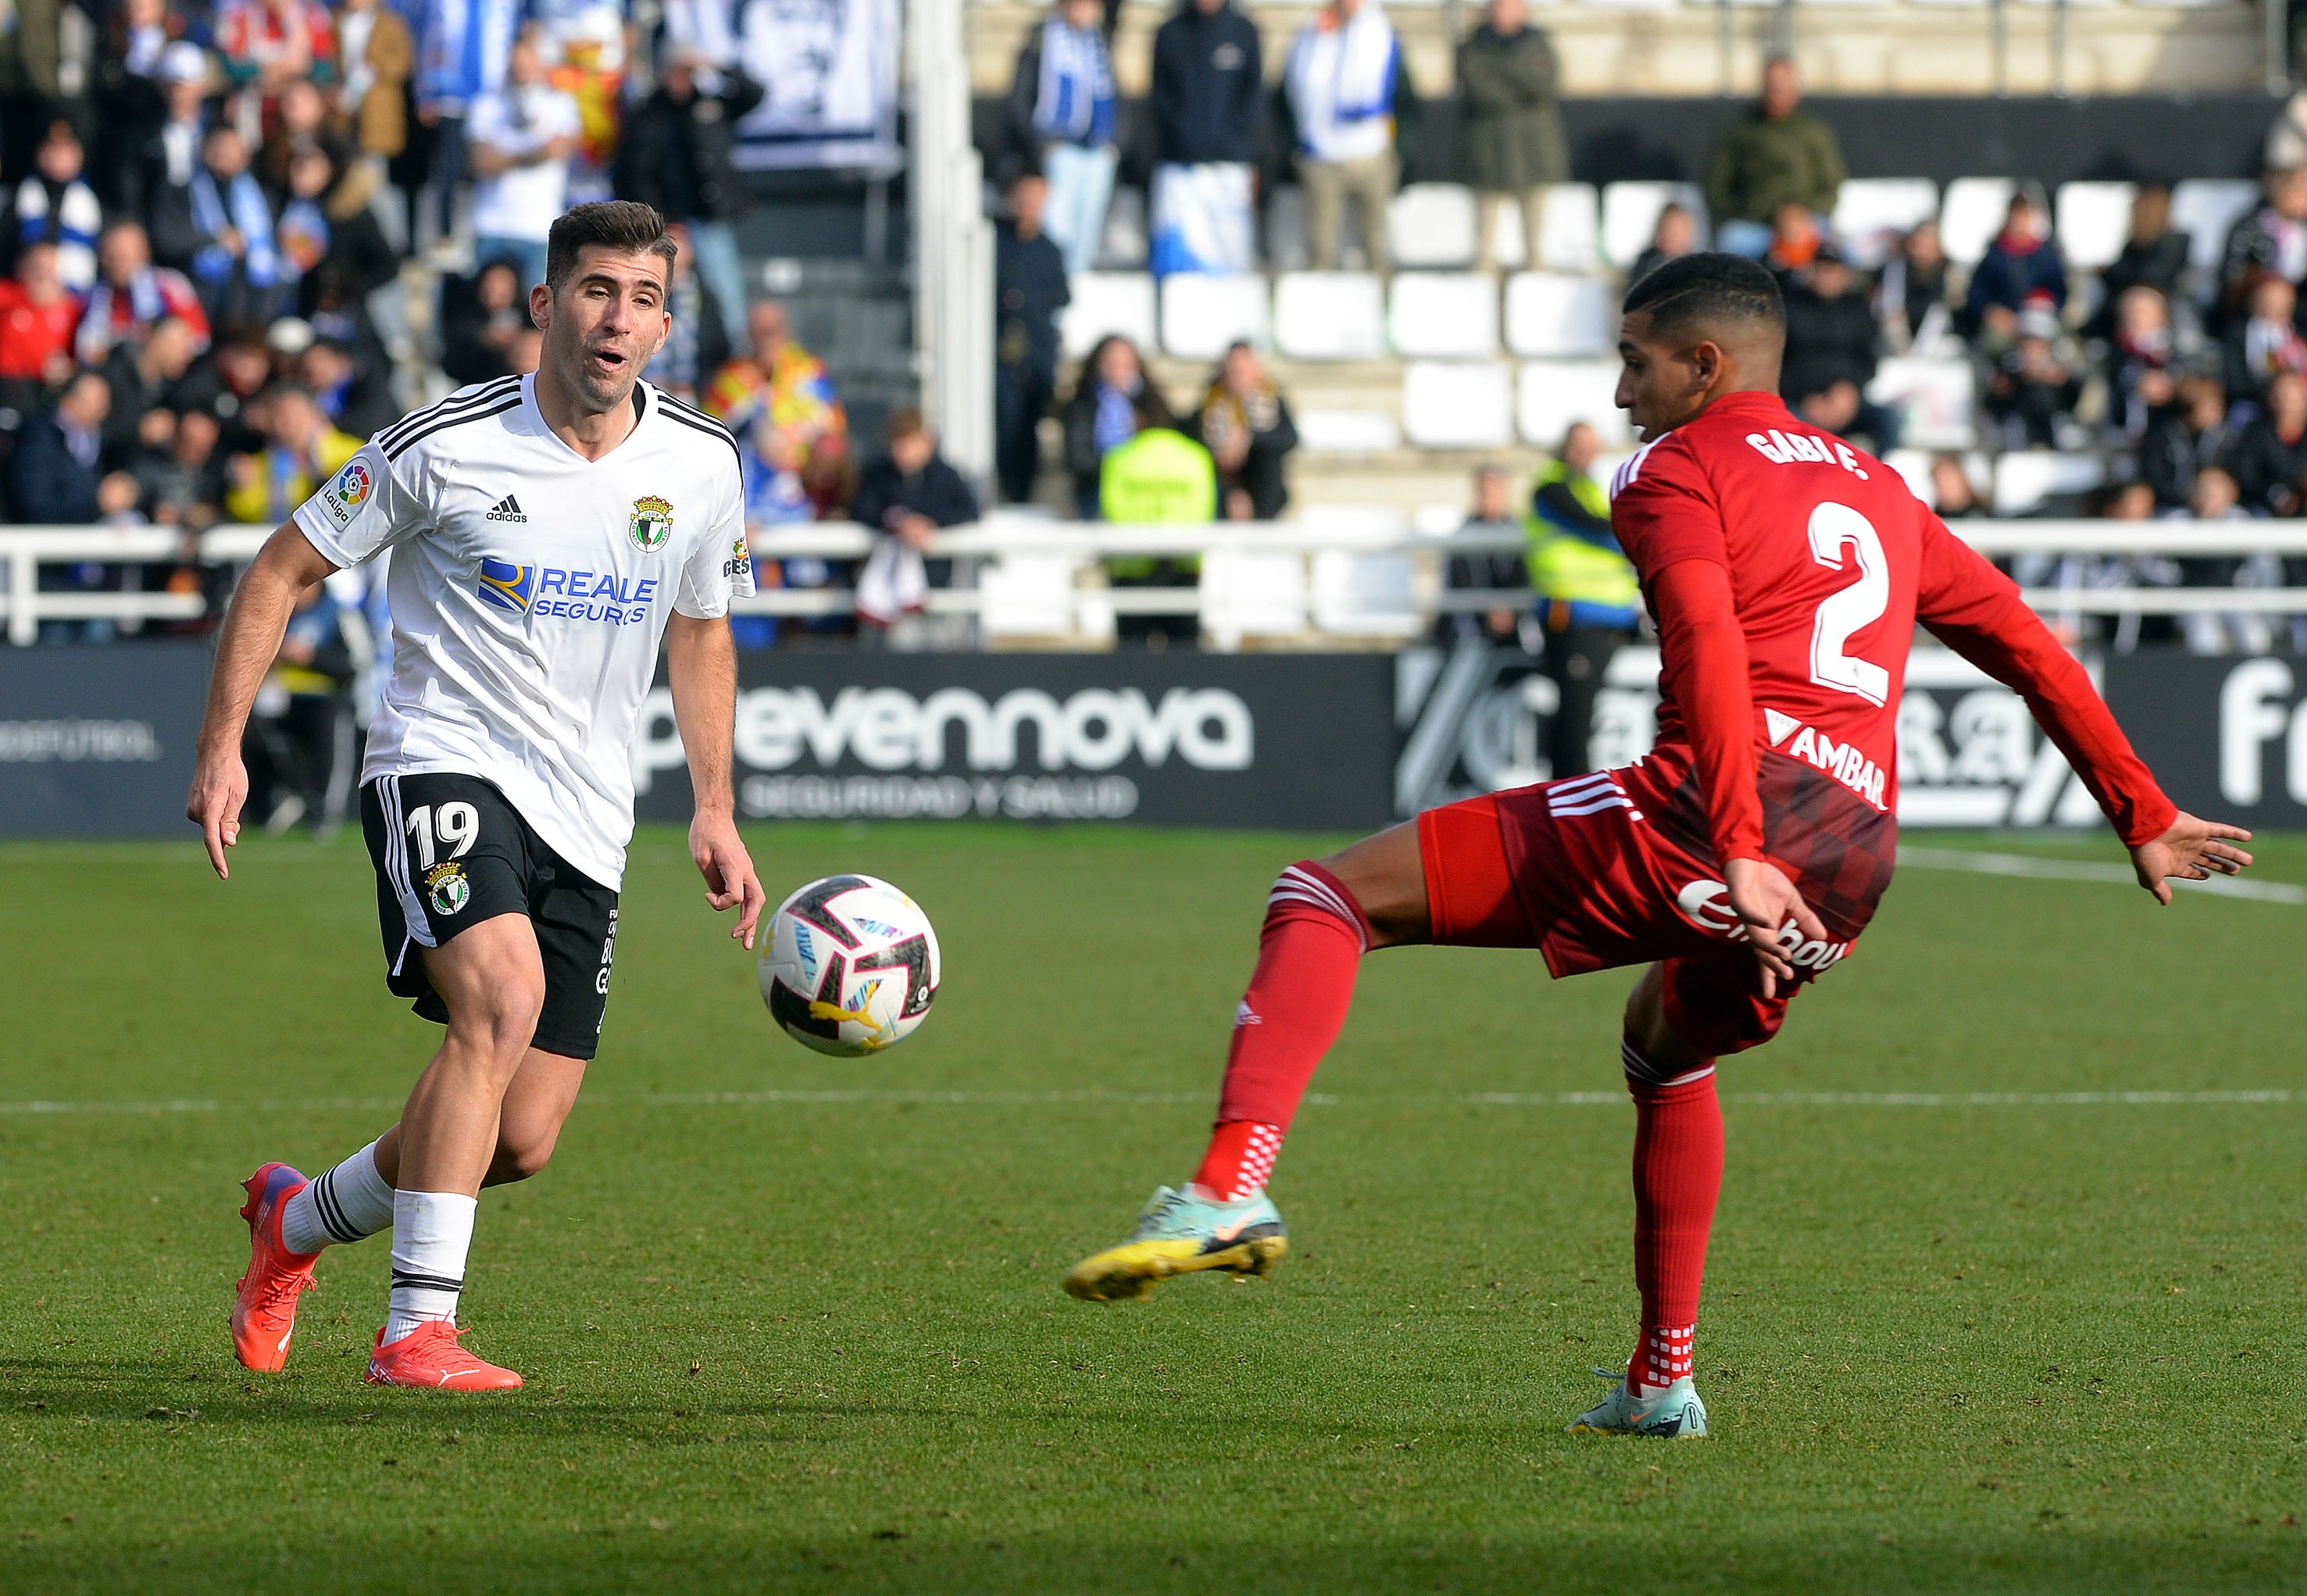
720, 567
367, 506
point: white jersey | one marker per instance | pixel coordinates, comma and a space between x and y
530, 588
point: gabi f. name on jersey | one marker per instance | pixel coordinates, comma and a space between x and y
531, 589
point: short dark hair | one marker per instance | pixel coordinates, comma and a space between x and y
1709, 292
905, 422
623, 225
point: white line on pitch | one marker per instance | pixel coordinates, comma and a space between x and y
2084, 869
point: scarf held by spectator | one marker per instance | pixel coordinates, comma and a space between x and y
250, 216
1075, 101
1341, 85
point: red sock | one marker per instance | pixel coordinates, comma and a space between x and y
1314, 939
1678, 1176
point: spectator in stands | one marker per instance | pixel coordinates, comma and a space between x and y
1829, 358
2185, 436
1029, 286
142, 377
2273, 238
226, 382
1515, 145
360, 260
696, 348
37, 316
300, 727
1340, 80
56, 468
463, 48
235, 264
300, 123
1675, 237
182, 483
1777, 154
377, 52
1795, 235
2269, 460
54, 205
2034, 389
303, 233
2264, 339
1208, 106
779, 400
1062, 102
1912, 295
518, 140
2021, 270
907, 495
357, 397
677, 154
1157, 476
1245, 423
478, 327
127, 102
301, 450
1500, 624
171, 154
1952, 493
1112, 402
2154, 257
2139, 358
131, 296
1588, 602
266, 45
2215, 497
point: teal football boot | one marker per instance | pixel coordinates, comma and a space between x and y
1179, 1232
1675, 1413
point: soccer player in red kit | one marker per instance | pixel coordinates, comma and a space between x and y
1740, 859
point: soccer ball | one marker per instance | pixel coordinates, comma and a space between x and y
849, 967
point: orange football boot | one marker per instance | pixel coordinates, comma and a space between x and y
264, 1308
430, 1356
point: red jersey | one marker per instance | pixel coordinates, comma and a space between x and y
1787, 571
30, 334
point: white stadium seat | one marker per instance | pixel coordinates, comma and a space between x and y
1329, 315
1457, 404
1630, 213
1366, 594
1286, 249
2207, 208
1574, 229
1871, 214
1202, 315
1445, 315
1973, 215
1028, 596
1105, 302
1121, 246
1432, 224
1252, 592
1348, 432
2022, 481
1934, 396
1552, 316
2093, 222
1554, 393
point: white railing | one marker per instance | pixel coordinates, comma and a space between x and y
1030, 576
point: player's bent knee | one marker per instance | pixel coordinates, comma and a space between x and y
1386, 879
518, 1160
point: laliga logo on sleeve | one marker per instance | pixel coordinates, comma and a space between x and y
349, 491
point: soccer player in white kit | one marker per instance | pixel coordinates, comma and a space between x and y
547, 532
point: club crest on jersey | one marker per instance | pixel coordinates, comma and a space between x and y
349, 491
652, 524
507, 586
446, 888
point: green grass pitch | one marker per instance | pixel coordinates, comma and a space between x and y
795, 1325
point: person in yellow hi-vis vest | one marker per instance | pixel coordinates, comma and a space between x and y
1160, 477
1588, 602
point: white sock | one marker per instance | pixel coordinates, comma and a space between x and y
343, 1205
431, 1231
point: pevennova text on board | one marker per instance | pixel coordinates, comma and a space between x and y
890, 729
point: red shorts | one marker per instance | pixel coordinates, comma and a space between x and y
1595, 872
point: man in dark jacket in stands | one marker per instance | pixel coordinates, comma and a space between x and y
1209, 103
1029, 288
675, 154
1830, 359
53, 474
2269, 460
907, 495
1515, 146
1776, 154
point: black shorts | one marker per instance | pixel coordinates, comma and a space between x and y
450, 853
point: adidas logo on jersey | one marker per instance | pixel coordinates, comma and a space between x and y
508, 510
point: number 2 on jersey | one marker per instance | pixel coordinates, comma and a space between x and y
1851, 609
460, 824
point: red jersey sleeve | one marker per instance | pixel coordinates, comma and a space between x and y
1976, 611
1702, 656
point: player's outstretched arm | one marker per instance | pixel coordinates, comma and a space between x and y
2191, 850
701, 669
246, 647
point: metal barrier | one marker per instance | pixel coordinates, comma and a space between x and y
1069, 555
